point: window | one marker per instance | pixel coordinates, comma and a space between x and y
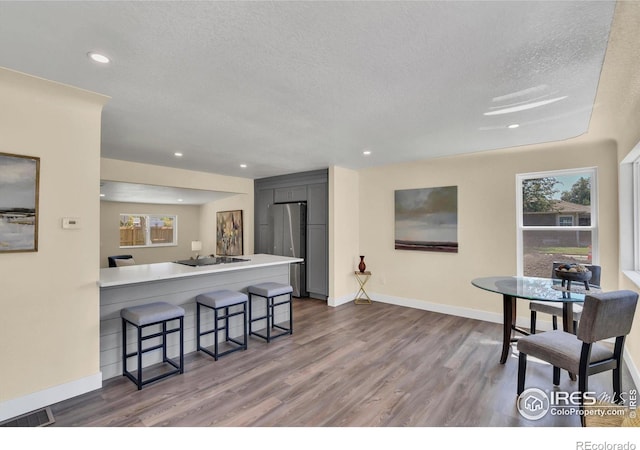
556, 220
565, 221
140, 230
629, 210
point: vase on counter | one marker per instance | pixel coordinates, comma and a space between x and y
362, 266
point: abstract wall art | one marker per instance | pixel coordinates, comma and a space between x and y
19, 182
229, 233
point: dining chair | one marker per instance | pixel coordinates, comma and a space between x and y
604, 316
555, 309
118, 260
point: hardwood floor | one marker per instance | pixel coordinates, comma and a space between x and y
353, 366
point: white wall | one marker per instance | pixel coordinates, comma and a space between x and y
49, 328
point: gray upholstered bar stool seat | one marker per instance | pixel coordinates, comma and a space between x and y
141, 317
271, 291
220, 302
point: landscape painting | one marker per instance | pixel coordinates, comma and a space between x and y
229, 233
19, 178
427, 219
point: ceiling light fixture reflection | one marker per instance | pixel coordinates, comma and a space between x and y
99, 58
366, 152
524, 107
177, 154
180, 200
513, 125
244, 166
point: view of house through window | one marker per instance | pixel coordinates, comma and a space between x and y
556, 220
138, 230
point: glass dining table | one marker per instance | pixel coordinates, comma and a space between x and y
530, 288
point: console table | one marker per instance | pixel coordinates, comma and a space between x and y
362, 298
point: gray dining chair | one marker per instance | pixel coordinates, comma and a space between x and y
555, 309
604, 316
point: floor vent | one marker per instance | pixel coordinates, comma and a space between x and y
40, 418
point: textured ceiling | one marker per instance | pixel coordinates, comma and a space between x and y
292, 86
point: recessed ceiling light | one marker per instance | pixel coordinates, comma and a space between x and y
244, 166
177, 154
97, 57
513, 125
366, 152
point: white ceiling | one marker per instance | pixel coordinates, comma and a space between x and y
293, 86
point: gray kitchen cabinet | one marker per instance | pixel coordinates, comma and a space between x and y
317, 203
317, 261
263, 198
290, 194
311, 188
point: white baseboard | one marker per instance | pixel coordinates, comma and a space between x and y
633, 369
337, 301
22, 405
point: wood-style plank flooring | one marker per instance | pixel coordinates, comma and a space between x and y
373, 365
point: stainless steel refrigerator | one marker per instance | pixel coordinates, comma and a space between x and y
288, 237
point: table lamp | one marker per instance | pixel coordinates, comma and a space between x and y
196, 246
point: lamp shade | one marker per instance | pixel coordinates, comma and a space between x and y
196, 246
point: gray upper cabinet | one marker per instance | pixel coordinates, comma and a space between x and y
317, 204
263, 198
309, 187
290, 194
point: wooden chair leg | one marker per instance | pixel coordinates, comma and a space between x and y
617, 384
556, 376
554, 320
533, 322
522, 371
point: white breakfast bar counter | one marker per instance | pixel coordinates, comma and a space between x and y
178, 284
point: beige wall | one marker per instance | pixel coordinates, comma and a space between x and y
242, 199
344, 240
188, 230
49, 329
486, 221
242, 202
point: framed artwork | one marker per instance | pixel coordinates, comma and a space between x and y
427, 219
229, 233
19, 183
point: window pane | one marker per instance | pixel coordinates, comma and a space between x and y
542, 248
557, 201
161, 229
140, 230
132, 230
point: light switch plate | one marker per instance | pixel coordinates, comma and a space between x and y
70, 223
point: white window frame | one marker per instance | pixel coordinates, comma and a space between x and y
595, 257
629, 212
147, 230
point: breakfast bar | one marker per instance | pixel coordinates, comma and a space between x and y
178, 284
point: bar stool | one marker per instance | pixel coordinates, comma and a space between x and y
269, 291
141, 317
219, 301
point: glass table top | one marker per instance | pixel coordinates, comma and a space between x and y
530, 288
